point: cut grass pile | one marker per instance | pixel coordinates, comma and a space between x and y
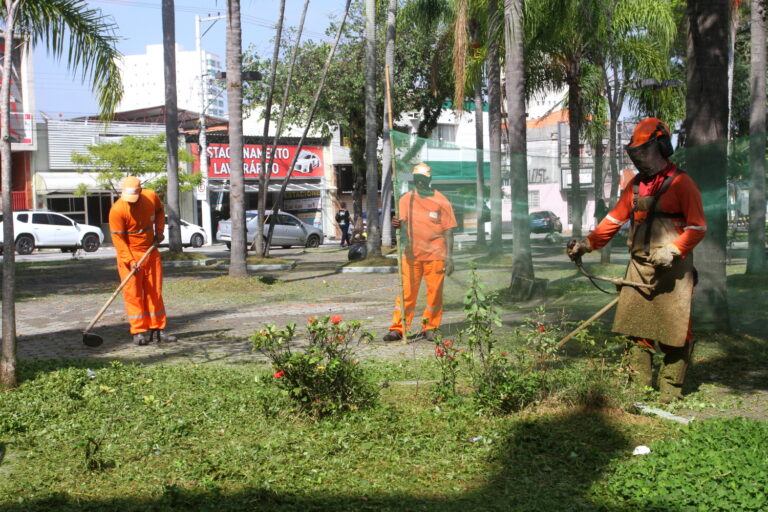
222, 438
182, 256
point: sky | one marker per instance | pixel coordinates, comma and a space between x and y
59, 93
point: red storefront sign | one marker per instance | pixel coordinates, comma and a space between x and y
308, 165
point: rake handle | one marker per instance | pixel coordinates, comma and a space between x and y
119, 288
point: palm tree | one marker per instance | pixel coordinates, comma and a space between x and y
91, 43
756, 255
238, 247
494, 122
171, 126
371, 133
386, 153
514, 65
706, 132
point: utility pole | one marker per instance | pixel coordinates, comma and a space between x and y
202, 142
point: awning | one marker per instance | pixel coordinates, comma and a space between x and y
273, 187
66, 182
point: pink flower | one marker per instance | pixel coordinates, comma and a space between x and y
335, 319
279, 374
439, 352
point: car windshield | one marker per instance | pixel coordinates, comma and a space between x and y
539, 215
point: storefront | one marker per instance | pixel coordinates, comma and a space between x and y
308, 194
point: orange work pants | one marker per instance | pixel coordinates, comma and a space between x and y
143, 294
433, 273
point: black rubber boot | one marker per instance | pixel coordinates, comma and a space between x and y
640, 366
392, 336
164, 337
142, 338
672, 373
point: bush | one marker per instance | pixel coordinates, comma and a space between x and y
717, 466
323, 377
505, 385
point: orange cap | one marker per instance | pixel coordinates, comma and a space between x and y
131, 189
646, 130
423, 170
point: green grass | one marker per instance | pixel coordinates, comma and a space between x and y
222, 438
500, 260
258, 260
182, 256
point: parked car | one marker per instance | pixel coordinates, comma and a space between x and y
545, 222
289, 230
191, 234
49, 229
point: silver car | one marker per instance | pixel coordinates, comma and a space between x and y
289, 230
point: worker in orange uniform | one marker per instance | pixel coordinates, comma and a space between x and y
667, 220
137, 221
427, 218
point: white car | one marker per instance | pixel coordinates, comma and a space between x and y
306, 161
50, 229
191, 234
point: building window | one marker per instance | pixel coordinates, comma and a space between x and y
534, 200
444, 133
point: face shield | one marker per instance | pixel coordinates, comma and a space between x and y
421, 182
647, 157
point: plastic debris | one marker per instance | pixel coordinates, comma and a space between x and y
661, 413
91, 374
476, 439
641, 450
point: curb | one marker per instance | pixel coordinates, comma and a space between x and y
366, 270
190, 263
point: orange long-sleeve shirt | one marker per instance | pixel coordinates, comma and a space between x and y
682, 197
133, 225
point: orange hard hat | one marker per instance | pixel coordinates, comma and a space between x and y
648, 129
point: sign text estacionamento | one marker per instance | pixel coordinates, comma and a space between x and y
308, 165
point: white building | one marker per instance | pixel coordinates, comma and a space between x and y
145, 86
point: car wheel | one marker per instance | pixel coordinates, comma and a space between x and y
25, 244
91, 243
196, 240
313, 241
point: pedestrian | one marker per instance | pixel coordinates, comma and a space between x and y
667, 221
137, 221
427, 220
343, 219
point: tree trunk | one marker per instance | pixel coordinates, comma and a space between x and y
371, 135
574, 125
235, 107
8, 356
514, 64
261, 247
479, 165
494, 124
171, 126
613, 156
386, 153
706, 131
756, 254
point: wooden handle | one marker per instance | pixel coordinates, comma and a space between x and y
119, 288
586, 323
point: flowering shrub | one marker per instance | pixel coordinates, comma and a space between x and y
446, 354
542, 332
323, 377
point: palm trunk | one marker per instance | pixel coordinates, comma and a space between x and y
706, 108
8, 356
479, 164
261, 247
574, 122
171, 126
494, 124
371, 138
386, 154
756, 254
235, 106
522, 263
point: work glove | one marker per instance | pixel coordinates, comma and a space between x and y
663, 256
159, 237
576, 248
449, 267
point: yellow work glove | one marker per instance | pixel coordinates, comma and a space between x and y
663, 256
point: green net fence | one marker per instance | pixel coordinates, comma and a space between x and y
481, 200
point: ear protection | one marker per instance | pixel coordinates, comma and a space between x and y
665, 140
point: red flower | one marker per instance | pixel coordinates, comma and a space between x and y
311, 319
340, 338
542, 328
439, 352
447, 343
279, 374
335, 319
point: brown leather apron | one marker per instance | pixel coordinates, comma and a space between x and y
663, 314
